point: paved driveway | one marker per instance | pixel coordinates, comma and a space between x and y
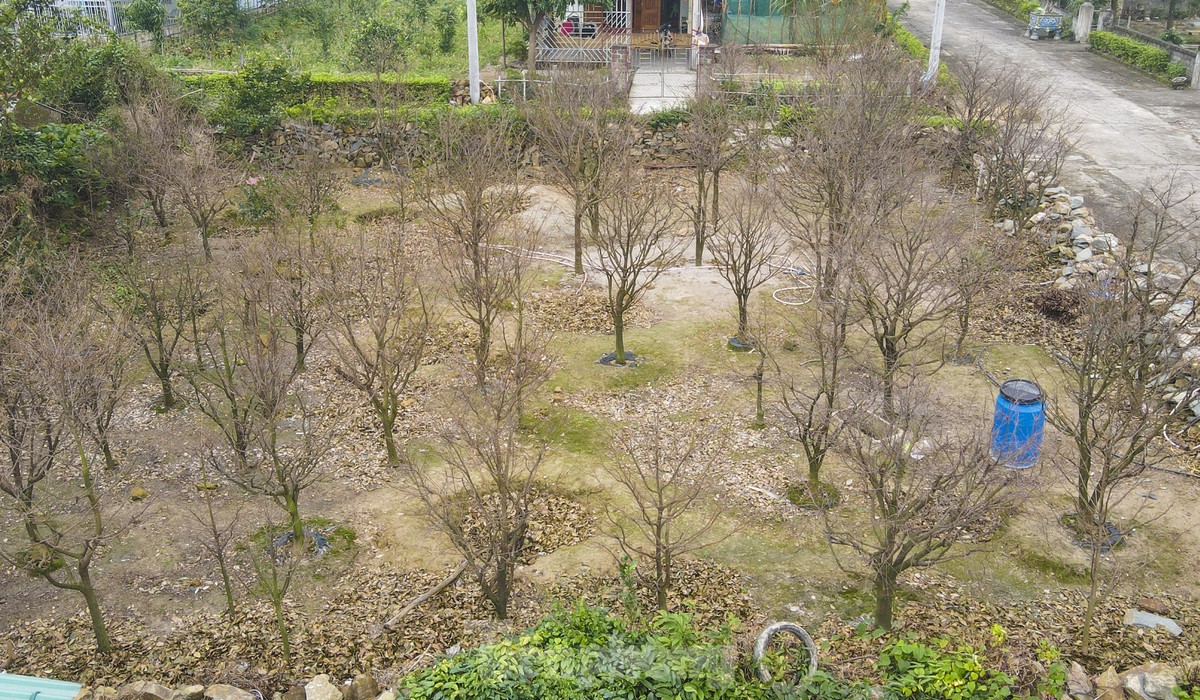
1133, 129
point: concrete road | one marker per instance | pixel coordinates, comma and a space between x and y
1133, 130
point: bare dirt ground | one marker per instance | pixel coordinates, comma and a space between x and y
163, 592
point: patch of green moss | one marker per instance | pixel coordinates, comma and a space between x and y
1049, 566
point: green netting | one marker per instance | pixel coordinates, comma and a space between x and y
794, 21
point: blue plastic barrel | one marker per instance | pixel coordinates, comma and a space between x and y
1017, 427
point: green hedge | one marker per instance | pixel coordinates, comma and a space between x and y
356, 87
911, 45
338, 113
1017, 8
1151, 59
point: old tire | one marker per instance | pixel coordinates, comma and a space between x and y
764, 640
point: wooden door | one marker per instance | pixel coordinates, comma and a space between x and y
646, 15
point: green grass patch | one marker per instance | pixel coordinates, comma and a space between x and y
571, 429
1053, 568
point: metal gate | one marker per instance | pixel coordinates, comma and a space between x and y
661, 78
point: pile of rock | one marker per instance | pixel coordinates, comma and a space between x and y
658, 145
460, 93
1069, 230
1152, 681
362, 687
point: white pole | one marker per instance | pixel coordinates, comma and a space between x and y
935, 42
473, 50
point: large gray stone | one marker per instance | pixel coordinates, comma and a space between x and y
363, 687
320, 688
220, 691
1105, 243
1078, 683
189, 692
1152, 681
144, 690
1141, 618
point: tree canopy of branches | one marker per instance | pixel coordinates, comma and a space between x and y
1010, 128
482, 498
60, 367
711, 140
583, 140
381, 321
471, 198
632, 248
1110, 402
743, 246
856, 160
925, 492
665, 471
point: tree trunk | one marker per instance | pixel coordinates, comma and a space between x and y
619, 331
168, 392
743, 329
389, 441
760, 413
1085, 634
204, 243
701, 222
281, 623
716, 198
301, 351
1170, 15
885, 596
293, 510
160, 210
103, 644
579, 240
110, 462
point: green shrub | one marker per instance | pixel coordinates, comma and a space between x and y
85, 79
935, 669
256, 98
147, 16
1151, 59
209, 20
61, 159
1017, 8
586, 653
351, 90
1171, 37
911, 45
666, 119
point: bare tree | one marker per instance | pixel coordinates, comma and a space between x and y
54, 367
151, 125
977, 276
744, 244
925, 492
311, 188
155, 306
1013, 131
665, 470
898, 291
291, 272
632, 248
289, 457
381, 322
1133, 362
581, 136
274, 569
218, 536
856, 160
202, 177
482, 498
811, 390
471, 196
243, 369
710, 138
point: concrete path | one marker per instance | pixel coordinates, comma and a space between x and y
657, 86
1132, 129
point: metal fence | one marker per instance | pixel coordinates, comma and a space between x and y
81, 16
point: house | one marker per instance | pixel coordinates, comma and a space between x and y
591, 33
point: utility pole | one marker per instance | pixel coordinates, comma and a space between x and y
935, 43
473, 50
